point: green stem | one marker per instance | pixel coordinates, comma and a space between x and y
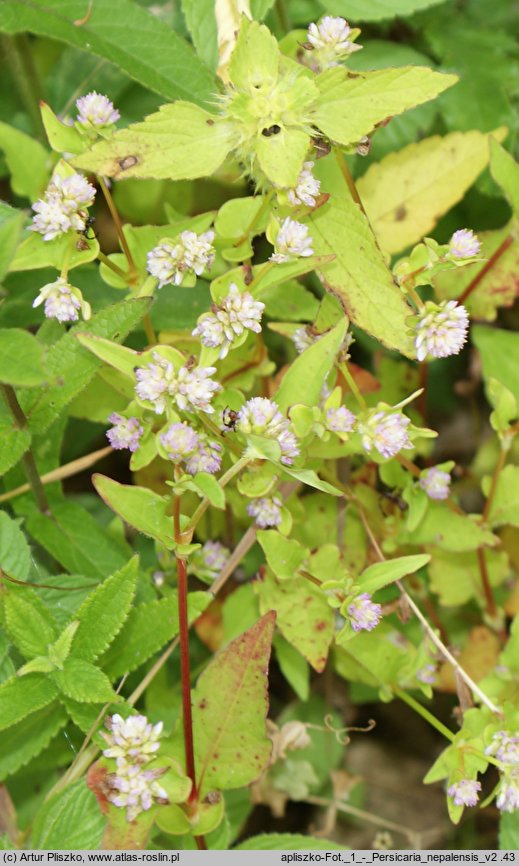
343, 367
425, 714
119, 229
113, 267
28, 461
283, 16
254, 222
262, 272
17, 51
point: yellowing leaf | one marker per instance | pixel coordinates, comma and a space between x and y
281, 156
180, 141
358, 276
350, 107
407, 192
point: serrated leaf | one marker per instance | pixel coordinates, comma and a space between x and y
287, 842
13, 443
123, 33
24, 741
358, 276
148, 627
407, 192
21, 151
303, 616
375, 10
73, 366
29, 623
15, 555
349, 108
505, 171
70, 820
138, 506
381, 573
83, 682
11, 224
179, 142
304, 379
77, 541
284, 555
102, 614
16, 344
21, 696
231, 746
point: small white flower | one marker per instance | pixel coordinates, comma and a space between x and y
207, 458
215, 556
364, 614
306, 189
62, 301
196, 389
262, 417
169, 261
464, 244
133, 738
464, 792
125, 433
441, 330
386, 431
508, 797
95, 109
135, 789
505, 748
435, 482
427, 674
340, 420
330, 40
292, 242
191, 389
236, 313
179, 441
62, 207
153, 382
303, 338
266, 511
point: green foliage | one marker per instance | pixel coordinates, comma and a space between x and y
16, 344
69, 820
15, 555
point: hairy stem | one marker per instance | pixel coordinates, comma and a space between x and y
28, 461
474, 283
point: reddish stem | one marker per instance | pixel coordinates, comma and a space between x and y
185, 674
502, 248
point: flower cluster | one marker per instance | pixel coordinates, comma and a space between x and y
340, 420
292, 242
62, 301
191, 388
364, 614
331, 40
306, 189
262, 417
441, 330
63, 206
464, 244
386, 432
215, 556
96, 110
125, 433
182, 443
506, 749
170, 261
266, 511
237, 312
435, 482
465, 792
133, 743
508, 797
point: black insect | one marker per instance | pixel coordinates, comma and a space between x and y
229, 418
84, 236
271, 130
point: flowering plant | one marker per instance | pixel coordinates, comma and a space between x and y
261, 341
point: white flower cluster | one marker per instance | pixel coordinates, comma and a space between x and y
262, 417
386, 431
63, 206
191, 388
133, 743
170, 261
292, 242
182, 443
441, 330
96, 110
62, 301
266, 511
464, 244
435, 482
236, 313
506, 749
306, 189
465, 792
331, 41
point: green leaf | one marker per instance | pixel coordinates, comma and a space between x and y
509, 831
504, 403
407, 192
255, 58
456, 579
16, 344
121, 357
83, 682
504, 509
70, 820
375, 10
287, 842
21, 152
62, 137
304, 379
77, 541
209, 487
284, 555
20, 696
447, 530
138, 506
60, 649
125, 34
293, 667
181, 141
303, 616
11, 224
29, 624
13, 442
505, 171
22, 742
102, 614
201, 23
148, 627
281, 156
382, 573
73, 366
15, 555
499, 352
311, 479
359, 276
34, 253
231, 746
349, 108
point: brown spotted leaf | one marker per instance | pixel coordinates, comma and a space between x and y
229, 709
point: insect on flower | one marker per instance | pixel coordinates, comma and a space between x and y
229, 418
83, 234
